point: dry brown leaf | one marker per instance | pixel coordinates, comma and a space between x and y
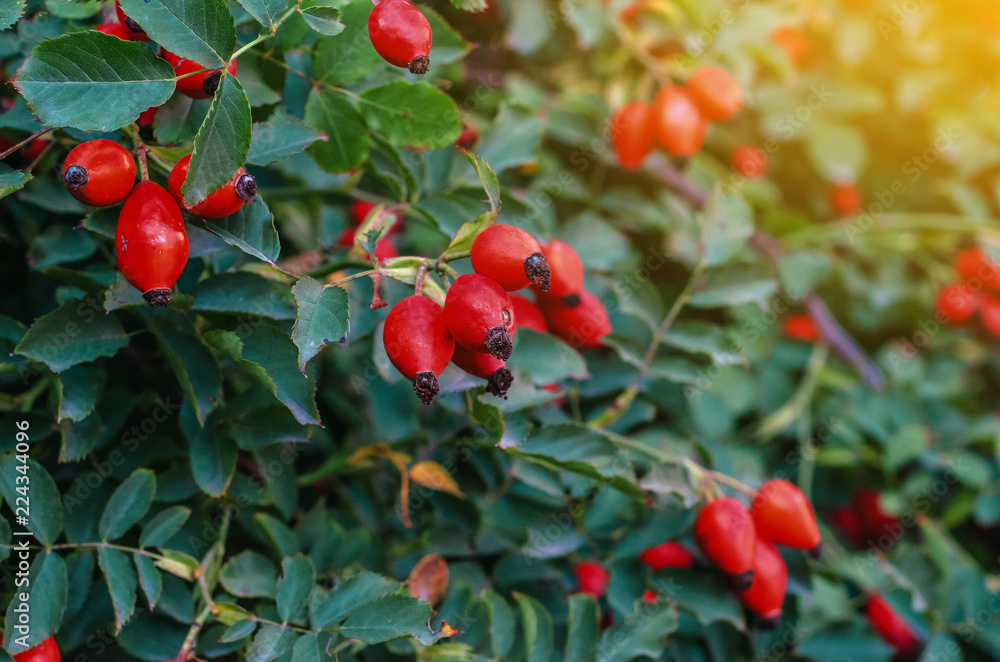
429, 579
433, 475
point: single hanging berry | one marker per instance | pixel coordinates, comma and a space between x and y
975, 266
401, 34
680, 126
592, 578
384, 247
716, 94
47, 651
527, 314
802, 327
956, 304
725, 533
511, 257
750, 161
578, 319
479, 315
566, 267
198, 85
667, 555
770, 580
845, 199
783, 515
99, 172
893, 629
151, 242
136, 33
989, 312
360, 210
486, 366
417, 342
633, 133
223, 201
469, 136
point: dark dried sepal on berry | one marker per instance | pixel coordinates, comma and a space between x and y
499, 383
76, 177
132, 25
246, 187
817, 551
425, 385
538, 271
571, 300
146, 132
767, 624
159, 297
211, 82
743, 581
499, 342
420, 64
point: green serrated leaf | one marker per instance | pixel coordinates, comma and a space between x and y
47, 589
92, 81
163, 526
122, 583
584, 628
222, 143
324, 20
265, 12
249, 575
46, 507
349, 55
292, 592
128, 504
388, 617
488, 178
412, 114
76, 332
271, 642
150, 579
329, 609
251, 229
199, 30
278, 138
10, 12
536, 622
324, 317
347, 143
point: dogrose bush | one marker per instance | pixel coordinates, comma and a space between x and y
761, 224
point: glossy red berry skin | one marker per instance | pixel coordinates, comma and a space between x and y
845, 200
401, 34
566, 266
956, 304
136, 33
485, 366
592, 578
151, 243
680, 126
527, 314
770, 580
893, 629
479, 315
975, 266
116, 30
667, 555
99, 172
715, 92
989, 313
580, 319
633, 133
802, 327
784, 516
418, 343
197, 86
360, 210
726, 535
223, 201
47, 651
511, 257
750, 161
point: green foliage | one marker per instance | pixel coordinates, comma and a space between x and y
244, 475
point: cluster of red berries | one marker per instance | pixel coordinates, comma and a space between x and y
864, 522
401, 34
957, 304
741, 543
150, 240
678, 118
475, 328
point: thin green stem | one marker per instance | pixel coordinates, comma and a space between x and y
267, 35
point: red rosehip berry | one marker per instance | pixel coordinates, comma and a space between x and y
360, 210
793, 42
784, 516
401, 34
145, 123
973, 264
680, 126
527, 314
726, 535
802, 327
35, 149
849, 523
876, 523
134, 29
956, 304
116, 30
479, 316
592, 578
633, 133
151, 242
99, 172
223, 201
650, 596
893, 629
469, 136
566, 267
845, 199
667, 555
417, 342
511, 257
486, 366
198, 85
47, 651
750, 161
989, 312
384, 248
578, 319
770, 580
715, 92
